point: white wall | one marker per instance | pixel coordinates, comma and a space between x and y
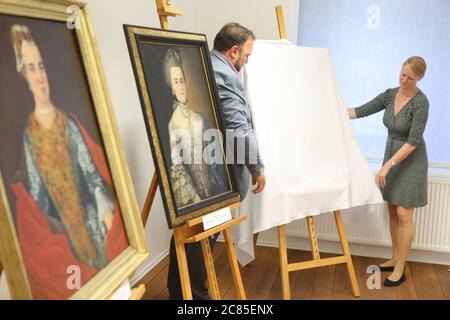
108, 18
208, 16
200, 16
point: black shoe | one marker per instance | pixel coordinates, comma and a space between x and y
385, 269
390, 283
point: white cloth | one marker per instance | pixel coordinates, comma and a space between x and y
313, 162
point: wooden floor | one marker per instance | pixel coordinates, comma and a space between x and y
262, 279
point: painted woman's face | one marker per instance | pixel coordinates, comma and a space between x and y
34, 72
178, 84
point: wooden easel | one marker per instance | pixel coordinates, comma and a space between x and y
192, 231
286, 267
164, 11
137, 293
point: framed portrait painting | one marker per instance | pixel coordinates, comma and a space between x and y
180, 105
69, 222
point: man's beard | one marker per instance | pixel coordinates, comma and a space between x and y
238, 64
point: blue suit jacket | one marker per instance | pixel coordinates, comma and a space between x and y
242, 146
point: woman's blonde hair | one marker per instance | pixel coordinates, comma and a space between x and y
417, 65
20, 34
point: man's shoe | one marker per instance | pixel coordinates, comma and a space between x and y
390, 283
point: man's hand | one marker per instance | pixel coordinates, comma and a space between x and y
261, 181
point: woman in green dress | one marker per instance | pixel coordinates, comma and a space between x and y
403, 176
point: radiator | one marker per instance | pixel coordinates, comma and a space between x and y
432, 223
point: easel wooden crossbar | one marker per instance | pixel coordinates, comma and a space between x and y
192, 231
346, 258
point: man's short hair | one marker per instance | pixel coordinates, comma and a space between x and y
230, 35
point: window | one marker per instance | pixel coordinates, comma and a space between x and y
368, 42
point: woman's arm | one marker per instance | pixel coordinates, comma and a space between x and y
400, 155
371, 107
97, 186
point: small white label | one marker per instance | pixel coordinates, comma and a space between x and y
123, 292
217, 217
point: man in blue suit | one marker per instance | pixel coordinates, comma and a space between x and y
232, 47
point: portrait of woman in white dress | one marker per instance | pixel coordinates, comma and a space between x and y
193, 177
181, 109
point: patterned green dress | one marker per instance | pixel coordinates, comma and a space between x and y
406, 182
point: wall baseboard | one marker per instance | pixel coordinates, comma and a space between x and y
361, 250
269, 239
147, 266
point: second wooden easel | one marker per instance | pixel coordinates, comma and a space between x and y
286, 267
192, 231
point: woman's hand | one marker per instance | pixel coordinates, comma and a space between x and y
380, 177
351, 113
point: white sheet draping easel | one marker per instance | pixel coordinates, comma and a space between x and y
313, 162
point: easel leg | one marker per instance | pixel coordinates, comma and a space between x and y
149, 199
313, 238
163, 21
182, 267
137, 293
210, 270
346, 250
234, 265
284, 262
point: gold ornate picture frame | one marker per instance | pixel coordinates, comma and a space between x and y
180, 105
70, 226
